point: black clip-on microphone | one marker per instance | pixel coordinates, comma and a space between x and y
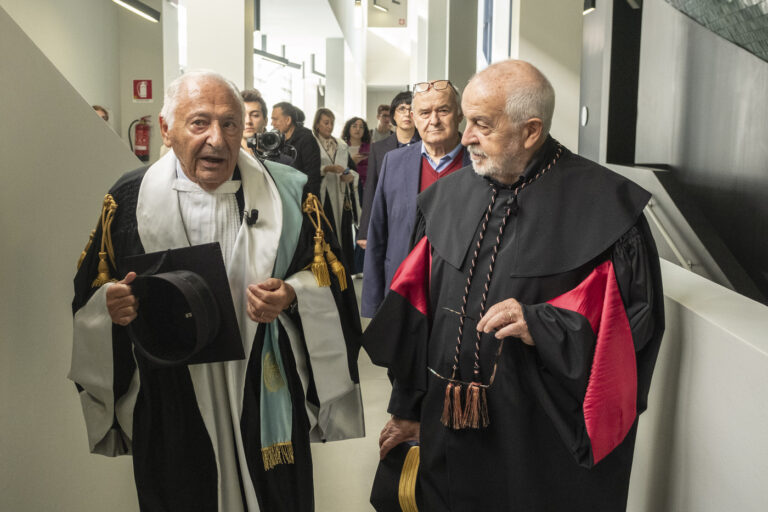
252, 217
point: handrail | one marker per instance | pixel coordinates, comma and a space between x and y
687, 264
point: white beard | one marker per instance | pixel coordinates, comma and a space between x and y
498, 168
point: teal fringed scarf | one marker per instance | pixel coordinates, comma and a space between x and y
275, 401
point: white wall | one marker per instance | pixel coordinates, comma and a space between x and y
354, 91
388, 57
352, 20
80, 37
701, 445
379, 96
100, 49
217, 36
141, 57
437, 40
53, 186
334, 82
549, 36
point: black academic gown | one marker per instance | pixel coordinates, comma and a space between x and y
307, 158
576, 252
173, 455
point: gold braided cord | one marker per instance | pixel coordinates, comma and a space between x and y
107, 249
87, 248
312, 205
107, 216
318, 266
406, 491
323, 255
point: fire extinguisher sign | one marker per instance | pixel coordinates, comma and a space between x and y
142, 91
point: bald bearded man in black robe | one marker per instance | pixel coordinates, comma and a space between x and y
523, 328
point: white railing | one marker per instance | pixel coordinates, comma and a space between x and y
702, 443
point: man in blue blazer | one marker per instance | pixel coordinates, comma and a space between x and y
405, 172
405, 135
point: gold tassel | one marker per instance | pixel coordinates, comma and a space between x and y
85, 251
107, 216
319, 266
445, 419
103, 276
280, 453
456, 412
336, 266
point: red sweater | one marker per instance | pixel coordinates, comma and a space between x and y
429, 175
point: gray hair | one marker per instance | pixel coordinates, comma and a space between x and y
171, 99
456, 96
531, 98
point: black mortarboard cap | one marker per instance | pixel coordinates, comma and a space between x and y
395, 486
186, 314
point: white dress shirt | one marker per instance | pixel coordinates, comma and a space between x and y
209, 216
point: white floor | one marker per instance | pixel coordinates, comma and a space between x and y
344, 470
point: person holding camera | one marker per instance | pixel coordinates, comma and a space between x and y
290, 121
338, 189
255, 122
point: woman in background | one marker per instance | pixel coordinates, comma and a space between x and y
358, 138
338, 188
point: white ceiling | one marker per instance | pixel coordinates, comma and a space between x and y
301, 25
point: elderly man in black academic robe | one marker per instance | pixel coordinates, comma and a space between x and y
232, 435
527, 317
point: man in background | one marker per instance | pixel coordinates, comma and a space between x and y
255, 115
102, 112
290, 121
405, 135
382, 129
405, 172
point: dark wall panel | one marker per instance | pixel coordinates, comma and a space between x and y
703, 113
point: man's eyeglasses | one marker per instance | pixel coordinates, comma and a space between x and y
437, 85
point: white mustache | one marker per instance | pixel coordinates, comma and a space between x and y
475, 151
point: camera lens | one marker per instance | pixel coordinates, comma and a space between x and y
269, 141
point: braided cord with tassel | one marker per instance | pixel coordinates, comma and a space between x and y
323, 255
474, 414
106, 250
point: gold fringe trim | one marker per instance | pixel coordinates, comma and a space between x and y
107, 250
280, 453
406, 491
